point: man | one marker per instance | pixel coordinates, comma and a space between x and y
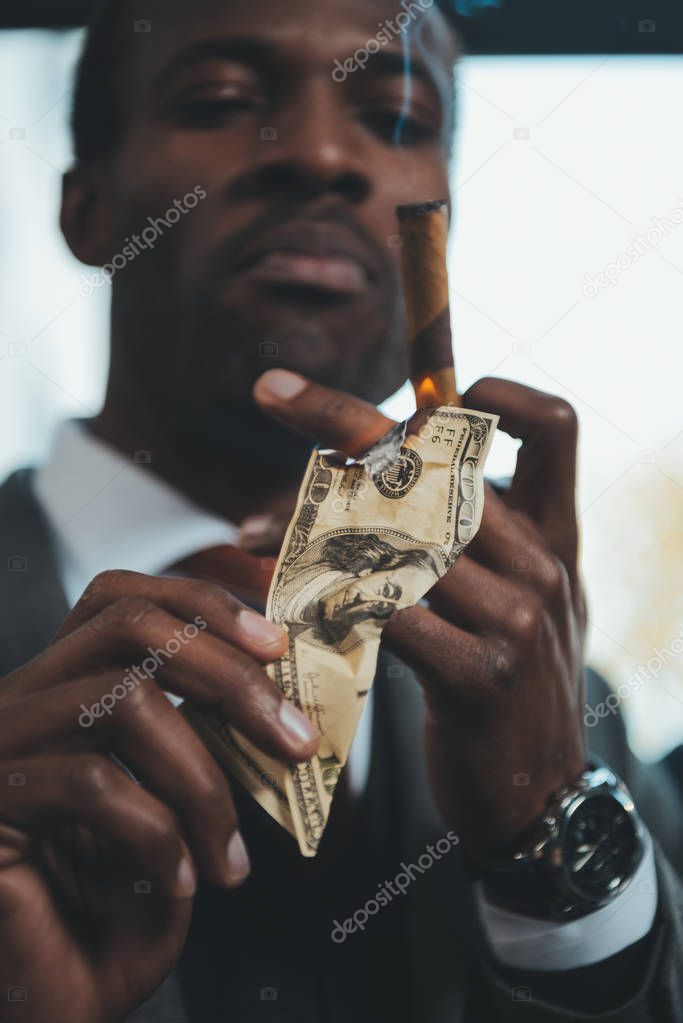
121, 858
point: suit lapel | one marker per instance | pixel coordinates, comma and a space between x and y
33, 606
31, 596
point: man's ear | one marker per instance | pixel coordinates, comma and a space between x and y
85, 220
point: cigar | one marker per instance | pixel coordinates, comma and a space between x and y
424, 229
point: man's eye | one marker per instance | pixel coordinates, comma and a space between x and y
210, 111
399, 128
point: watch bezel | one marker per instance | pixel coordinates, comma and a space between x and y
600, 783
535, 880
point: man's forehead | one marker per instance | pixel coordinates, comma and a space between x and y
323, 30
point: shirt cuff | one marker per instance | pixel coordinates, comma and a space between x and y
528, 943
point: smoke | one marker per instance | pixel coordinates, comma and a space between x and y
407, 90
470, 8
425, 37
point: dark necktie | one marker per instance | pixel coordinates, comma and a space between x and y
273, 935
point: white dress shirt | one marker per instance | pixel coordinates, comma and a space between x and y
109, 512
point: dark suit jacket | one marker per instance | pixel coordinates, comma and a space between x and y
265, 951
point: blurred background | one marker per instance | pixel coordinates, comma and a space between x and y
566, 274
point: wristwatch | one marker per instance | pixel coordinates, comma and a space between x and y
582, 855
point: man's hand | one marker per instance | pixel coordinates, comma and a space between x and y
499, 650
97, 873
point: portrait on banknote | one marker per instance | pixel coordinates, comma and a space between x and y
348, 579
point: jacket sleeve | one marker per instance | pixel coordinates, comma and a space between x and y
643, 983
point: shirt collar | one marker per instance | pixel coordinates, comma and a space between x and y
107, 511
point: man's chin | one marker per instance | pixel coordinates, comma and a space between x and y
346, 345
235, 431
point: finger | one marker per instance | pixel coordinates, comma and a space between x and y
452, 664
473, 597
199, 604
329, 417
513, 548
155, 741
504, 536
133, 937
165, 754
208, 672
15, 846
91, 790
134, 902
544, 483
477, 600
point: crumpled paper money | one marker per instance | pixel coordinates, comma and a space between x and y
368, 537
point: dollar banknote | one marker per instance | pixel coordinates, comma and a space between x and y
368, 537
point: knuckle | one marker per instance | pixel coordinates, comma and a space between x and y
256, 694
16, 892
525, 619
212, 792
92, 779
161, 830
139, 700
254, 680
103, 584
503, 667
129, 613
561, 415
211, 596
554, 578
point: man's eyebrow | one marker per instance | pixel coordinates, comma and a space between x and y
395, 62
246, 50
255, 52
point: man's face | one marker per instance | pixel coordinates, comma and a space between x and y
373, 593
292, 258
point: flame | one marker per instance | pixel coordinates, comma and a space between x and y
426, 393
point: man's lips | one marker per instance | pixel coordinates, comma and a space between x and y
338, 273
326, 256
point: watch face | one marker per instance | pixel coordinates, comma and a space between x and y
601, 847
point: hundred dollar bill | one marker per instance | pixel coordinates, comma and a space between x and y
368, 537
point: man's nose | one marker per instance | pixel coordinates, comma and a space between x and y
314, 147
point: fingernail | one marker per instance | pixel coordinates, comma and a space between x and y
186, 881
281, 385
299, 728
256, 529
259, 630
238, 859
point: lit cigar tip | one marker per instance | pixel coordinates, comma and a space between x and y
420, 209
426, 393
